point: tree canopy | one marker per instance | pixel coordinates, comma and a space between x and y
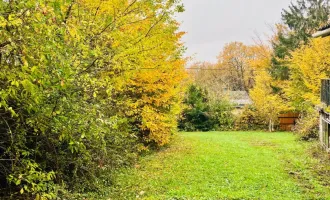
300, 20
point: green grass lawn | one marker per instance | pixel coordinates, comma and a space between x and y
225, 165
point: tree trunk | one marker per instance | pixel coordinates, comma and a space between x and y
271, 126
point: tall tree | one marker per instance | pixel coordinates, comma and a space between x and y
234, 63
208, 76
309, 64
304, 16
238, 64
301, 19
268, 104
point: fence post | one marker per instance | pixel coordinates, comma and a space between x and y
324, 116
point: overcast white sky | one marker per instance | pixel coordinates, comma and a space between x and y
210, 24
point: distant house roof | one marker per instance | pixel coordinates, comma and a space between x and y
323, 31
239, 98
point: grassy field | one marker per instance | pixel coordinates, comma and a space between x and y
225, 165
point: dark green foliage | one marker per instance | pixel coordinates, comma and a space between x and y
282, 49
222, 115
302, 18
202, 115
305, 16
196, 115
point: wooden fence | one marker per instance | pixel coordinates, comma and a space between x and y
325, 116
325, 92
288, 121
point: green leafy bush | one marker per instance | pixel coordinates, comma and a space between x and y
202, 115
197, 114
307, 126
249, 119
222, 115
64, 97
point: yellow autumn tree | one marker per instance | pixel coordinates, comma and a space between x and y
233, 61
239, 64
209, 77
152, 87
268, 104
156, 96
259, 57
308, 65
145, 66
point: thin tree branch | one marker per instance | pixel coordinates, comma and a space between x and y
68, 12
4, 44
88, 68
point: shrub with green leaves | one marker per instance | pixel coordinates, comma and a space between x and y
222, 114
54, 128
63, 92
200, 114
307, 126
249, 119
197, 114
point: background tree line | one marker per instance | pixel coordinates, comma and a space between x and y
283, 75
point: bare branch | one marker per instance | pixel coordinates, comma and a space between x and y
68, 12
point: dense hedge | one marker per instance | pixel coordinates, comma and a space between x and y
201, 114
73, 102
249, 119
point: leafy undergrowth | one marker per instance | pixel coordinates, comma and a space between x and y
228, 165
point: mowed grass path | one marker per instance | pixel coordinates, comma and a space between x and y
225, 165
